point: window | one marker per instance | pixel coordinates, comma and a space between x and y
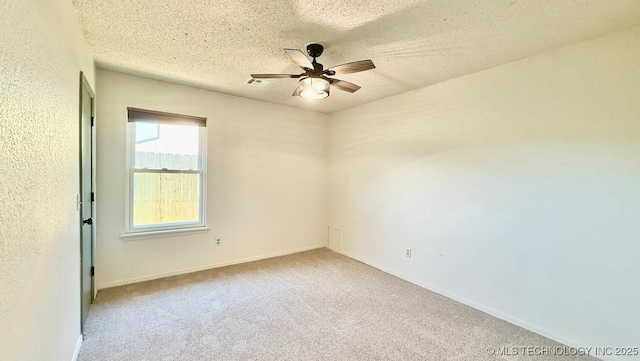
167, 171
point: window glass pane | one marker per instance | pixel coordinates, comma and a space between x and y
165, 198
146, 132
166, 146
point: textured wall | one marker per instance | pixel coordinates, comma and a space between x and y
42, 54
516, 188
266, 180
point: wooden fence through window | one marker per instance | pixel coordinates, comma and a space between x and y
160, 198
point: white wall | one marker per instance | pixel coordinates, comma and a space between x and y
517, 188
41, 55
266, 180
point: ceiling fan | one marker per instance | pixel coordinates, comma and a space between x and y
315, 82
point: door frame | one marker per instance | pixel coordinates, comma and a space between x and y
84, 84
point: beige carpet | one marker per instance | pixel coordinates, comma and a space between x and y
315, 305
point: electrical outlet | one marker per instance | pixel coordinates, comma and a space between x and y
407, 252
218, 241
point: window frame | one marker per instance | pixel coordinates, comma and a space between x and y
131, 171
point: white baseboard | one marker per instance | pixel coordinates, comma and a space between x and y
203, 268
77, 350
495, 313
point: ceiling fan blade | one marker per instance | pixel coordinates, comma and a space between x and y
299, 58
344, 85
348, 68
297, 91
272, 76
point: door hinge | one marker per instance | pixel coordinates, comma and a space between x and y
93, 271
93, 197
92, 120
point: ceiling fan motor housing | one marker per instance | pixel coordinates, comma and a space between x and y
315, 50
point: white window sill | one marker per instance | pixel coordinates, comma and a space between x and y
133, 236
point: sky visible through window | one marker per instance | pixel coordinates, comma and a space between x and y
171, 139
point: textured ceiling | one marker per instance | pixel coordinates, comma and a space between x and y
216, 44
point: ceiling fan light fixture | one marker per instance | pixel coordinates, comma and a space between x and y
314, 88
